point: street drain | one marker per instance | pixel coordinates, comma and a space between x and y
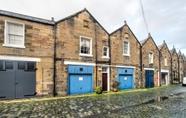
158, 99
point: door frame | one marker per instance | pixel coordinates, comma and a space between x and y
168, 76
108, 76
149, 79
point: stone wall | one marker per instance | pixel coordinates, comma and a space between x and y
164, 53
68, 46
150, 47
117, 57
174, 65
38, 44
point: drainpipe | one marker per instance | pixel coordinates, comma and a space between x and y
54, 74
160, 77
110, 58
96, 54
141, 65
171, 70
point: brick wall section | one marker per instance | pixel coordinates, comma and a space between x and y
117, 57
68, 45
174, 65
150, 47
164, 52
39, 44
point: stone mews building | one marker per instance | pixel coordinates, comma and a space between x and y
174, 62
26, 56
165, 64
82, 55
150, 63
181, 65
125, 58
184, 66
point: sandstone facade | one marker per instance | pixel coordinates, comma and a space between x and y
181, 66
69, 32
165, 62
174, 62
39, 43
149, 47
119, 59
58, 45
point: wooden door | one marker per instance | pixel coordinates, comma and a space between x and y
104, 81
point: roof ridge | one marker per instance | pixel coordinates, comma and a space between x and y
26, 17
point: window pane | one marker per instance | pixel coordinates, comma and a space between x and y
13, 39
21, 65
105, 54
104, 51
104, 69
15, 34
9, 65
30, 66
1, 65
85, 46
15, 28
125, 47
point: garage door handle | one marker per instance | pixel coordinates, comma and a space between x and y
16, 82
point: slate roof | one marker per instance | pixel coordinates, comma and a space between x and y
142, 42
160, 46
26, 17
172, 51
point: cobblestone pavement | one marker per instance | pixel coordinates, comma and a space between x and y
164, 102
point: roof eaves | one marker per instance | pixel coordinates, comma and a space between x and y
26, 17
116, 30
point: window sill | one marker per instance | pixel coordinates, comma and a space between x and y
14, 46
126, 55
105, 57
86, 55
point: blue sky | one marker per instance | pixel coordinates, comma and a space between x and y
166, 19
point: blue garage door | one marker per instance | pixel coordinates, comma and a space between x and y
80, 79
125, 78
149, 78
126, 82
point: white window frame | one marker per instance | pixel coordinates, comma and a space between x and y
82, 54
165, 61
150, 58
107, 56
6, 37
104, 71
128, 52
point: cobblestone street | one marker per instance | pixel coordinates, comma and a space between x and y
165, 102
